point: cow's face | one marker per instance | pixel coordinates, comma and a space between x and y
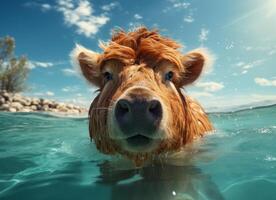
139, 109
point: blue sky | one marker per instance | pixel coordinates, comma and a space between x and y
240, 34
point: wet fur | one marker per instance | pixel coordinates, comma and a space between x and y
142, 57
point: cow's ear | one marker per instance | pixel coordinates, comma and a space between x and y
194, 63
87, 63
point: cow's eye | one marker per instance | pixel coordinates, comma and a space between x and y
107, 76
169, 76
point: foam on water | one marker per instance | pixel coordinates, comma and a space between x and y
47, 157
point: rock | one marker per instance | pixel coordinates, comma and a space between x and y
39, 107
70, 106
7, 96
27, 98
63, 109
76, 107
53, 105
26, 103
60, 105
33, 107
2, 100
26, 110
23, 100
54, 110
35, 101
46, 102
82, 110
45, 107
5, 107
17, 98
16, 102
74, 111
18, 106
12, 109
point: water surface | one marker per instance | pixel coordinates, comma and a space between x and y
46, 157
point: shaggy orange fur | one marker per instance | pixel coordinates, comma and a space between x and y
143, 57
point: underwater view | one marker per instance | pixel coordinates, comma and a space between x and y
47, 157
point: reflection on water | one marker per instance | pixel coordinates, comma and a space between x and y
101, 180
163, 182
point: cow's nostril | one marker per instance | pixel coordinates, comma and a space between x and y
155, 108
138, 116
122, 107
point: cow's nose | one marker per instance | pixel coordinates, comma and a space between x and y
138, 116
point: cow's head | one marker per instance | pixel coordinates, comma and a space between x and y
139, 110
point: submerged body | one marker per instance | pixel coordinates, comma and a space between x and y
140, 111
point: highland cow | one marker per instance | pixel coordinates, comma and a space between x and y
140, 111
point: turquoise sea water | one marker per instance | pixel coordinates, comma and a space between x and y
45, 157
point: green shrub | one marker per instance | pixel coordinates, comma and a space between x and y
13, 70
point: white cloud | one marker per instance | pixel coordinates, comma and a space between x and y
41, 94
200, 94
272, 52
265, 82
248, 48
230, 46
109, 7
69, 72
239, 64
263, 97
189, 19
210, 86
34, 64
203, 36
70, 89
43, 6
80, 101
133, 25
207, 90
246, 66
46, 7
180, 4
77, 99
80, 15
65, 89
49, 93
176, 5
253, 64
137, 16
268, 49
232, 102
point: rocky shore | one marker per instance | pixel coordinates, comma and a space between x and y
11, 102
